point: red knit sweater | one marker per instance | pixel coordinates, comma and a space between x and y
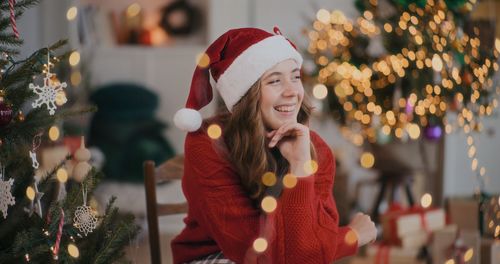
221, 217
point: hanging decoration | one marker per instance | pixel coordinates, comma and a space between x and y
6, 198
50, 92
85, 219
12, 3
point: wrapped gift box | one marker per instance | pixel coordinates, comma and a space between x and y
490, 251
410, 227
445, 243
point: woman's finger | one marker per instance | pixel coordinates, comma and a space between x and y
289, 129
271, 133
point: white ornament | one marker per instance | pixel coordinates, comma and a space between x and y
85, 219
48, 93
34, 161
6, 197
82, 168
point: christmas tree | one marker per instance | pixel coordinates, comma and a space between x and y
46, 218
399, 68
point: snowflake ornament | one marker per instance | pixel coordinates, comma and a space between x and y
48, 93
85, 219
6, 197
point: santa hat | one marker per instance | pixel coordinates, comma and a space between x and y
236, 60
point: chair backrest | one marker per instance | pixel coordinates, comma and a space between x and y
172, 169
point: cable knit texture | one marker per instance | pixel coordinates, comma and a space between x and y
303, 228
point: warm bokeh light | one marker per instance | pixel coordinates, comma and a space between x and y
203, 60
468, 254
54, 133
320, 91
74, 58
450, 261
62, 175
30, 193
72, 13
269, 179
289, 181
260, 244
367, 160
323, 15
133, 10
350, 238
413, 131
61, 98
269, 204
311, 167
426, 200
73, 250
437, 63
214, 131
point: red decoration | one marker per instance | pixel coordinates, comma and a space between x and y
5, 114
55, 250
13, 17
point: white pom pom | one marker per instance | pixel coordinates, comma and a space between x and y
187, 119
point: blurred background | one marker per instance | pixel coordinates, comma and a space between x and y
406, 94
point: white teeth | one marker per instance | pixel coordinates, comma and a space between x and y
285, 108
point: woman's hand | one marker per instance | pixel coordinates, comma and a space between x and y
364, 228
293, 141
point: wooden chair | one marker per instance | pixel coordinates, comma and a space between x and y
172, 169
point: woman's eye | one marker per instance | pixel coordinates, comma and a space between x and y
274, 81
297, 77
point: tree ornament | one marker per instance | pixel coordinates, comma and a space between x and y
49, 92
35, 205
13, 17
37, 140
55, 248
6, 197
82, 168
5, 113
85, 219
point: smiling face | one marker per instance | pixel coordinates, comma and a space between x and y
281, 94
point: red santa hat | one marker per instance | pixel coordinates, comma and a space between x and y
236, 60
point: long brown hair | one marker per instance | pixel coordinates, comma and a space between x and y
246, 144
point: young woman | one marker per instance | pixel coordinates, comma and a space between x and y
262, 191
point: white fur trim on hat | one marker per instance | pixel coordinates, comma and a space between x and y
187, 119
249, 66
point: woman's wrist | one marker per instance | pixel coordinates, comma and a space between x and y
298, 168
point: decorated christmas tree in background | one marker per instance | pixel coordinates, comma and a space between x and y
398, 69
405, 69
45, 217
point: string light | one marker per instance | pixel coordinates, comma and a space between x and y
367, 160
54, 133
74, 58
